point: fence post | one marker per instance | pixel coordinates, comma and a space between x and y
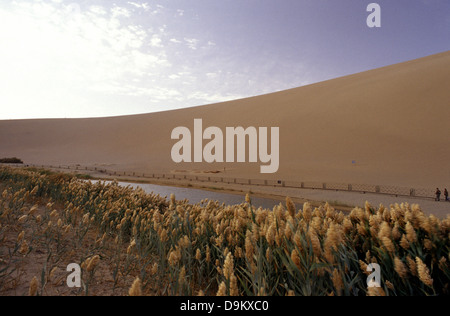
350, 188
377, 189
412, 192
324, 186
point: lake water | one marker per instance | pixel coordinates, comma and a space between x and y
196, 196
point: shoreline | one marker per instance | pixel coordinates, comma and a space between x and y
340, 200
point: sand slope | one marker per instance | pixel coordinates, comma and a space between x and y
393, 121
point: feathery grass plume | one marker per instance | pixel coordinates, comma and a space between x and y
238, 253
136, 288
337, 282
386, 214
52, 273
290, 207
228, 268
307, 212
208, 254
400, 268
154, 269
131, 246
347, 225
375, 291
34, 284
174, 256
297, 239
332, 241
396, 234
290, 293
269, 255
288, 232
315, 242
428, 244
234, 290
248, 199
93, 262
201, 293
222, 290
390, 285
410, 232
404, 242
271, 232
164, 236
363, 266
256, 233
296, 258
22, 219
198, 255
424, 273
385, 231
361, 229
182, 276
33, 210
67, 229
23, 250
388, 244
85, 219
412, 266
20, 237
317, 223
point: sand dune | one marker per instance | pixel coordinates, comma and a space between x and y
393, 122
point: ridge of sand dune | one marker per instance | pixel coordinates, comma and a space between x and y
393, 122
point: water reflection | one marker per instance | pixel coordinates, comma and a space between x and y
196, 195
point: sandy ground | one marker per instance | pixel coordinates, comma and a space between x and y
387, 126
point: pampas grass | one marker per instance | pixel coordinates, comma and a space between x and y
211, 249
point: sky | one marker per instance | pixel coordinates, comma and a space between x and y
66, 59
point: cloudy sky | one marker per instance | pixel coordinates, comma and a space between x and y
60, 58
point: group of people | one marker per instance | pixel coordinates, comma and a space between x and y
438, 195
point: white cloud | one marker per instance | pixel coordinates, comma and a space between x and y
48, 57
156, 41
144, 5
120, 12
59, 60
191, 43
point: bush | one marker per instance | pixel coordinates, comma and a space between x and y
11, 160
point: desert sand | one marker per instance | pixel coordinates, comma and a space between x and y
387, 126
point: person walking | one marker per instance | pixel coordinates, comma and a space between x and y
438, 194
446, 195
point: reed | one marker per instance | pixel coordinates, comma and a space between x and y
177, 248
